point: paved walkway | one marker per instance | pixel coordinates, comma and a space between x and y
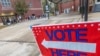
18, 40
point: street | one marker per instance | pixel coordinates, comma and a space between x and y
18, 39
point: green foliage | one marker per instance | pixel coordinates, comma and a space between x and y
56, 7
44, 3
21, 7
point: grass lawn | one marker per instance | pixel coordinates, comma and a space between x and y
2, 27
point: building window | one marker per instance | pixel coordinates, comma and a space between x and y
98, 0
5, 3
30, 4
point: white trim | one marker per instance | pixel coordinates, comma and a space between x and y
35, 9
7, 8
97, 2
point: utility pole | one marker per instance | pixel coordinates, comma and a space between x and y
86, 11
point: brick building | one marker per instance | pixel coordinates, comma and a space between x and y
68, 6
74, 5
7, 10
35, 7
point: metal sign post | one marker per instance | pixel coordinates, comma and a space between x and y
86, 11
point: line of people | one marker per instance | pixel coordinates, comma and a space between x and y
11, 20
35, 17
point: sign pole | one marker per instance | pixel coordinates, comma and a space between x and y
86, 11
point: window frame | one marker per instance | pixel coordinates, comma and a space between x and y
5, 3
97, 2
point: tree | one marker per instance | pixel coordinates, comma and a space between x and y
20, 7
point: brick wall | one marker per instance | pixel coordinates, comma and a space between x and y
36, 8
66, 5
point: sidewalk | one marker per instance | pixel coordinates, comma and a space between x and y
94, 16
64, 18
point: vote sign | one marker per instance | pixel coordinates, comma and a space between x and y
78, 39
